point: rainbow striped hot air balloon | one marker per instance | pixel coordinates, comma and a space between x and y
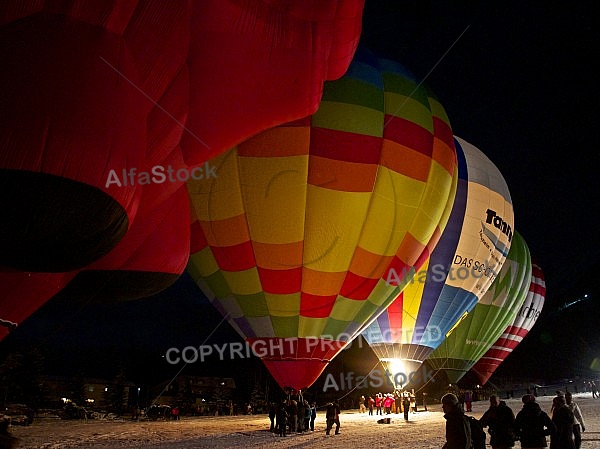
295, 237
517, 330
459, 271
470, 339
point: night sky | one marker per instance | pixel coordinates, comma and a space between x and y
519, 82
516, 80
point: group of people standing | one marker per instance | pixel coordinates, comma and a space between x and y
531, 425
389, 403
291, 416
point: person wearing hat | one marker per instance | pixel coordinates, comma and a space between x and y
579, 425
458, 429
532, 424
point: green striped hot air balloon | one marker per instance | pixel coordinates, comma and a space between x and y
470, 339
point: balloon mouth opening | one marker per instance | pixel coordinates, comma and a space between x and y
52, 227
295, 363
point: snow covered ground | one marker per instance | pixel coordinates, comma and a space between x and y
423, 430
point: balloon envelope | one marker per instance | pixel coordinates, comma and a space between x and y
458, 272
149, 259
256, 64
23, 293
517, 330
67, 119
470, 339
105, 89
297, 232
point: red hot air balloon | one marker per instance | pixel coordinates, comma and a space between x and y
23, 293
260, 53
84, 78
102, 87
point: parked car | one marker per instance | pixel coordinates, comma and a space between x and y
155, 412
19, 414
73, 411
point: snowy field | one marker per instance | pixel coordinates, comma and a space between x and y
423, 430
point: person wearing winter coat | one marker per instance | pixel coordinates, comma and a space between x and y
301, 413
332, 415
387, 403
379, 403
458, 429
579, 425
361, 404
532, 424
500, 420
313, 416
406, 406
292, 410
307, 414
282, 418
563, 419
468, 401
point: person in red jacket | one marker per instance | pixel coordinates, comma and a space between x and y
387, 403
371, 405
378, 403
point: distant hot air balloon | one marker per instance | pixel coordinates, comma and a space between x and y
470, 339
459, 271
296, 234
517, 330
105, 89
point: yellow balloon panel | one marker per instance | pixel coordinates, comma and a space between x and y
274, 195
332, 227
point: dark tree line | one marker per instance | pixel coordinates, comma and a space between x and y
21, 378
